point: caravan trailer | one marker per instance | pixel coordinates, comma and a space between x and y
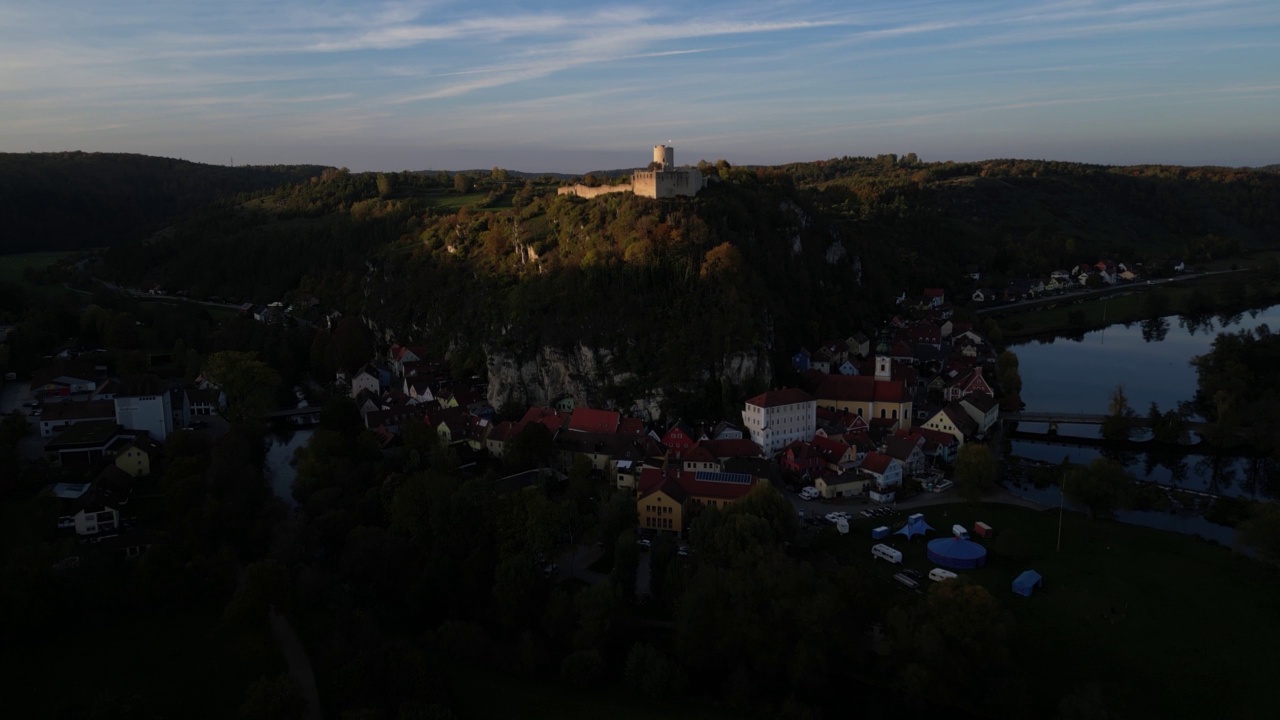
938, 575
884, 552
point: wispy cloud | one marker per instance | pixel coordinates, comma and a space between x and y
819, 77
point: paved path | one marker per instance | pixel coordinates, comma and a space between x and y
299, 663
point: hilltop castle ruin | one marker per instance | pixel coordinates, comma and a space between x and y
662, 180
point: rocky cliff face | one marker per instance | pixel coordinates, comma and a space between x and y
588, 373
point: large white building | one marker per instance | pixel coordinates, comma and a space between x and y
776, 418
143, 402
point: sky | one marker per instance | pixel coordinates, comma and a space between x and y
561, 86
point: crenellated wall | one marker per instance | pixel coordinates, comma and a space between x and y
586, 191
667, 183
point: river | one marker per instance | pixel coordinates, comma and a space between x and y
1152, 361
280, 469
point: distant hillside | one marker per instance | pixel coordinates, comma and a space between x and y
65, 201
760, 262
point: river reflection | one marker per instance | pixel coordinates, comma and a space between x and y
280, 469
1152, 361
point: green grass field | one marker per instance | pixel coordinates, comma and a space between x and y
1166, 625
12, 267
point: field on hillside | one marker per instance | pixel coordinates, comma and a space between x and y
1166, 625
12, 267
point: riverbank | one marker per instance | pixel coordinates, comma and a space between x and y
1206, 295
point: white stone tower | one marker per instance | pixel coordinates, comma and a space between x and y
884, 368
664, 156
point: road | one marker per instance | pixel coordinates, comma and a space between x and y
1086, 294
144, 296
12, 397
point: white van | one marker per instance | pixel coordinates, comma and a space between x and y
960, 532
884, 552
938, 575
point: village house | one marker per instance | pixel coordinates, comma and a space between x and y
954, 421
967, 384
906, 452
800, 361
139, 456
983, 409
884, 474
366, 380
678, 438
849, 484
858, 344
399, 355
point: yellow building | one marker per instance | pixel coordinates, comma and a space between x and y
662, 508
668, 499
138, 457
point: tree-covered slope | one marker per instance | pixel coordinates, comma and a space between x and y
67, 201
762, 258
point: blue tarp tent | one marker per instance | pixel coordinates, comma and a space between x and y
915, 526
1027, 582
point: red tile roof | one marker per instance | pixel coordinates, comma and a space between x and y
779, 397
552, 419
876, 463
586, 419
698, 453
731, 448
861, 388
682, 484
631, 426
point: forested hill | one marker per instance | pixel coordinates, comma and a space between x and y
762, 258
72, 200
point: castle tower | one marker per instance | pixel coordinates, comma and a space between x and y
664, 156
884, 369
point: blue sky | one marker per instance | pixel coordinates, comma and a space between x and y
574, 86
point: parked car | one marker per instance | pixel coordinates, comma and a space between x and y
644, 543
684, 551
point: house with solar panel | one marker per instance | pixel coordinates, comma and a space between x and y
667, 499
